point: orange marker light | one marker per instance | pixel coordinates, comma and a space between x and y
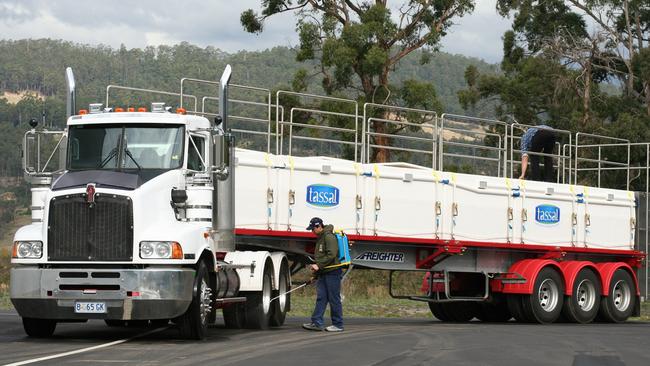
142, 109
131, 109
14, 251
177, 251
181, 111
82, 112
118, 109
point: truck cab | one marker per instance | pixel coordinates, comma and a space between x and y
128, 228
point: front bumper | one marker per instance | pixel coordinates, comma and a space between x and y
129, 294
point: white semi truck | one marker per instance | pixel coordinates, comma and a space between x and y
156, 216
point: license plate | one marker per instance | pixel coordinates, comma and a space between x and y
89, 307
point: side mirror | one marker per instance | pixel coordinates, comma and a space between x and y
33, 123
218, 120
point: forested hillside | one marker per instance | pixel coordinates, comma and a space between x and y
38, 66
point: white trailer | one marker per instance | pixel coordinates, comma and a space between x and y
154, 215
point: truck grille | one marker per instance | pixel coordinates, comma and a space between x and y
78, 231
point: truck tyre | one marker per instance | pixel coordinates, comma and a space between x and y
620, 303
234, 316
39, 328
438, 311
460, 311
280, 306
516, 308
582, 306
258, 303
544, 305
495, 311
194, 323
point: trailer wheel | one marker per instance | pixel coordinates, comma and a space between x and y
460, 311
495, 311
258, 303
516, 308
582, 306
194, 323
438, 311
39, 328
280, 306
234, 316
544, 305
619, 305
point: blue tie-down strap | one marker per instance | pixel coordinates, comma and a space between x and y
445, 181
367, 174
516, 194
580, 200
269, 211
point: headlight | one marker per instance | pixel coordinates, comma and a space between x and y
160, 250
28, 249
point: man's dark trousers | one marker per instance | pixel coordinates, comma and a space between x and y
328, 290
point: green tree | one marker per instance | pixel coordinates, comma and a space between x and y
356, 45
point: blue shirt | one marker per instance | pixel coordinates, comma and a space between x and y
527, 138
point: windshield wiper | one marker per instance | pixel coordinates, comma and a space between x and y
109, 157
128, 153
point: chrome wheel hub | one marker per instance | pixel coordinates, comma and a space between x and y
205, 301
548, 295
266, 294
586, 295
622, 295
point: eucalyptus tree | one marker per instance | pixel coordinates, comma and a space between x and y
356, 45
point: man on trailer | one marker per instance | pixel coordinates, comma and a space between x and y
540, 139
328, 287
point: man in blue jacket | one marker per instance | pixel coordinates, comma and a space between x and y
328, 287
539, 139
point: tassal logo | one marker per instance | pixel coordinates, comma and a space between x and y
547, 214
322, 195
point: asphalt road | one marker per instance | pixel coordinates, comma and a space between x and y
364, 342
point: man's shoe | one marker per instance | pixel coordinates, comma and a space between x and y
312, 326
333, 328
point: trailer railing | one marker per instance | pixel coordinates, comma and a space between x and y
485, 146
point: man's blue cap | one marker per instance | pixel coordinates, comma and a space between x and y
315, 222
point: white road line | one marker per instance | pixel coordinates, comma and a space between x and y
82, 350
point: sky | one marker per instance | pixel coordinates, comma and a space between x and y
204, 23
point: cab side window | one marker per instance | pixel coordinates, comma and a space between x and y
194, 158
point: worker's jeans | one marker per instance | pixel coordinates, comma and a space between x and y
328, 290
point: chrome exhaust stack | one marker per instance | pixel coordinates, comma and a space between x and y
71, 103
223, 173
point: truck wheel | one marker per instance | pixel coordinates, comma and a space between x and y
234, 315
516, 308
495, 311
582, 306
39, 328
460, 311
438, 311
258, 303
544, 305
280, 306
194, 323
619, 305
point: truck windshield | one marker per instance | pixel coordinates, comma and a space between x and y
128, 146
